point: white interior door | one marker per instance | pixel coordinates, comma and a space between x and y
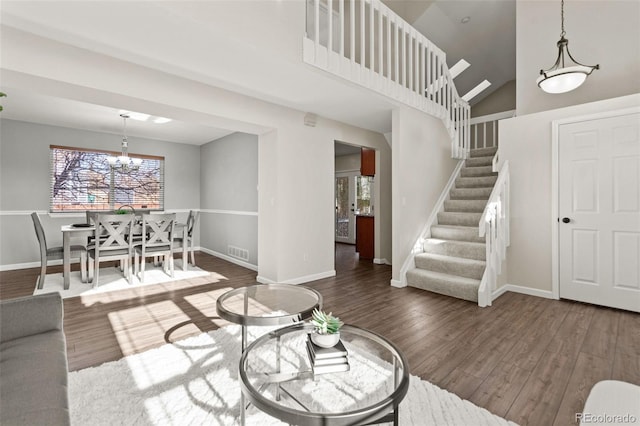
599, 209
345, 208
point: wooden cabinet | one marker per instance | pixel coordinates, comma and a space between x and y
364, 236
367, 162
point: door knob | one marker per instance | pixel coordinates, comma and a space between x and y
566, 220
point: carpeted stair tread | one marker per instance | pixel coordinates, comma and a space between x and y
478, 171
479, 161
483, 152
459, 218
470, 193
464, 249
469, 206
476, 182
457, 233
453, 259
468, 268
449, 285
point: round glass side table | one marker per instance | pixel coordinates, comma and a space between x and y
277, 376
267, 305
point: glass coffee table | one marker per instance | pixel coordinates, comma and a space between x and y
267, 305
277, 378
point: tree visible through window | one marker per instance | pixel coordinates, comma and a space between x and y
363, 193
84, 180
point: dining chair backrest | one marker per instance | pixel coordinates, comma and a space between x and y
40, 234
191, 222
115, 232
91, 217
158, 230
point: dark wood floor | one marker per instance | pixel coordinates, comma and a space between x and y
530, 360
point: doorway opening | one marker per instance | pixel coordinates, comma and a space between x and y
353, 196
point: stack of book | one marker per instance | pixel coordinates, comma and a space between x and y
327, 360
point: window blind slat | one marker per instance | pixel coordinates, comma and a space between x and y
83, 180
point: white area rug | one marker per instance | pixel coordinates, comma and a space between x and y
193, 382
112, 279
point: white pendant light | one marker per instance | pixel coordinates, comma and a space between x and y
123, 160
564, 75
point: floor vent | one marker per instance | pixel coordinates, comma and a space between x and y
238, 253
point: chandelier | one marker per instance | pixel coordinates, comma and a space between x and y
563, 77
124, 161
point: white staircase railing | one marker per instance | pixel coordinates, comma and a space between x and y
494, 225
365, 42
484, 130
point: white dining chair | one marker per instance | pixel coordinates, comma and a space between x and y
179, 241
48, 254
115, 243
157, 241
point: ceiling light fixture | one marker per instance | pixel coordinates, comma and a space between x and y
561, 77
138, 116
465, 19
123, 160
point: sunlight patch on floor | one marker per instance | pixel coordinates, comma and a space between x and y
153, 318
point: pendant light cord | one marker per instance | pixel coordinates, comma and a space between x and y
562, 33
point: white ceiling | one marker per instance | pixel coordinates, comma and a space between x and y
487, 41
36, 108
342, 149
251, 47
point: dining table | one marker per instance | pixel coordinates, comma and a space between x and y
84, 231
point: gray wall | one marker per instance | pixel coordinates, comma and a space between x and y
24, 181
348, 163
422, 166
502, 99
229, 195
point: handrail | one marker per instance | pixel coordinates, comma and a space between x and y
494, 225
372, 46
493, 117
479, 125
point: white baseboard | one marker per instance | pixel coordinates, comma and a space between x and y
546, 294
229, 259
398, 283
382, 261
499, 292
27, 265
298, 280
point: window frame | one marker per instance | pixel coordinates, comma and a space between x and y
97, 181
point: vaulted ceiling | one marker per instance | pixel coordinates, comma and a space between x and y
248, 47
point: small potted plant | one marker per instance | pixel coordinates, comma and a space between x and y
326, 329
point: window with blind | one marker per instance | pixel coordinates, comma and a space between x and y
83, 180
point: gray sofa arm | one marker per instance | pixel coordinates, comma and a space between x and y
30, 315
